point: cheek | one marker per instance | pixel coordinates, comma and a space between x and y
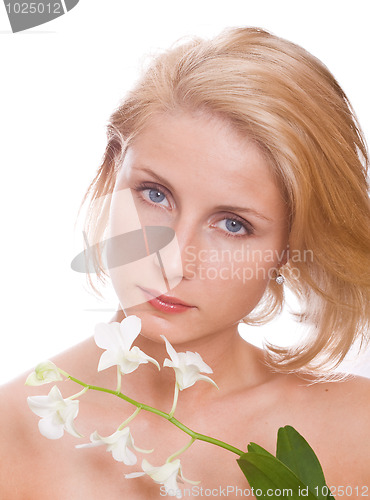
249, 264
233, 279
234, 287
150, 215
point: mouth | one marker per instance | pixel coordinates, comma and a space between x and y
165, 303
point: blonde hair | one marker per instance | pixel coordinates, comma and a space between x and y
287, 101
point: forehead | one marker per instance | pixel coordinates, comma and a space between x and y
199, 142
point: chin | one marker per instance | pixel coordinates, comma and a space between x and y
154, 325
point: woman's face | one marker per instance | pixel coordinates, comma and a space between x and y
195, 174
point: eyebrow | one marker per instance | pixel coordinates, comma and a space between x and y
226, 208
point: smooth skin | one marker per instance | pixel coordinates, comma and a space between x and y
207, 168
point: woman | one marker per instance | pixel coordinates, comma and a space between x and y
247, 148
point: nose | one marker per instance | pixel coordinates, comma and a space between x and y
173, 258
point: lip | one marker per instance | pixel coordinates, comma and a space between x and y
165, 303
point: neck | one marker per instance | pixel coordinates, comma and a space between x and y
236, 364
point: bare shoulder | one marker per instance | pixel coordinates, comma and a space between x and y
350, 392
335, 418
346, 400
24, 452
16, 434
14, 409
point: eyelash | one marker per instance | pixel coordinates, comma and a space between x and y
246, 225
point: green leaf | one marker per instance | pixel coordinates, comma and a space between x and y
256, 448
294, 451
267, 474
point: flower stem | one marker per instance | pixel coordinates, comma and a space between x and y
129, 419
85, 389
62, 372
119, 379
175, 397
167, 416
184, 448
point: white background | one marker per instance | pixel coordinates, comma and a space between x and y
59, 83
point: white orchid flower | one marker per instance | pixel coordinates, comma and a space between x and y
119, 443
117, 339
187, 366
44, 373
167, 474
57, 414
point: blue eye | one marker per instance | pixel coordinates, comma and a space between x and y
153, 195
233, 226
156, 196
